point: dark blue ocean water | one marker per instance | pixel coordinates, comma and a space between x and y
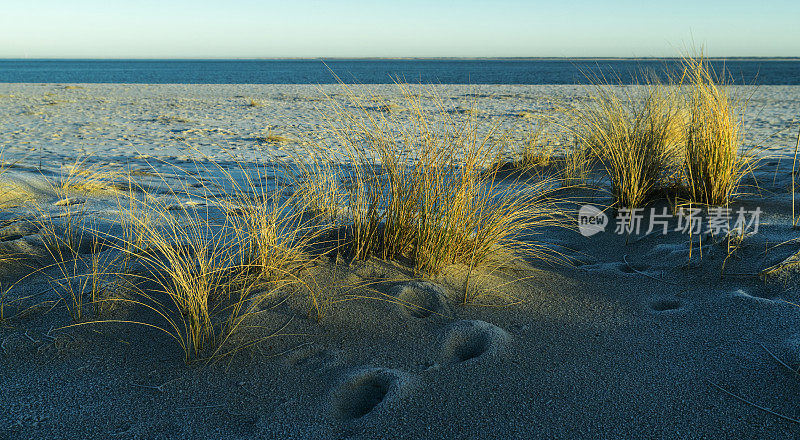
379, 71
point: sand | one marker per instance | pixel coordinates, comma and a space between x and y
631, 341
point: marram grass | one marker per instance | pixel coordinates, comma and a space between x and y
72, 242
214, 262
685, 134
713, 164
201, 269
634, 134
421, 189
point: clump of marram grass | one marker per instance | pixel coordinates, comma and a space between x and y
188, 260
633, 135
421, 189
713, 165
213, 263
319, 190
271, 226
537, 151
201, 269
82, 178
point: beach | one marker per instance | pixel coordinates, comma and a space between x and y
123, 120
633, 335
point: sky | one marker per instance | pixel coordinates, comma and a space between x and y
399, 28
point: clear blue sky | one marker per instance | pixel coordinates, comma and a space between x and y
355, 28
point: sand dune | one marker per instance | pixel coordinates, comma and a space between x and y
636, 338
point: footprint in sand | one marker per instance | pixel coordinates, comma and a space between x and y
467, 340
666, 305
367, 389
753, 299
421, 299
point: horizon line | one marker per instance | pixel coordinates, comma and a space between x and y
488, 58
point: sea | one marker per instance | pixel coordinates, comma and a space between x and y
750, 71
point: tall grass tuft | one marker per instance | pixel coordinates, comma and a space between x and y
254, 103
209, 264
713, 165
187, 259
274, 227
634, 134
421, 189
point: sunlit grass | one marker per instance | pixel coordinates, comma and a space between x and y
635, 135
713, 164
422, 191
206, 266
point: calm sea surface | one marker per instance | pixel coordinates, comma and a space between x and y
379, 71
